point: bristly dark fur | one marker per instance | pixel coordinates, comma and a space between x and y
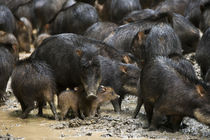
190, 77
39, 66
33, 81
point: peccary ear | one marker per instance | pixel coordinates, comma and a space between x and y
26, 23
123, 69
127, 59
79, 53
20, 23
141, 37
200, 90
138, 40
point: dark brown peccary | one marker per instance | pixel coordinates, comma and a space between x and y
168, 90
33, 85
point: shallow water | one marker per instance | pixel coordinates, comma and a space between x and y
109, 125
35, 127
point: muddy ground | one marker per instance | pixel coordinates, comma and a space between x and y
109, 125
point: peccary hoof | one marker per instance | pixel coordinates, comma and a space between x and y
23, 116
56, 118
145, 126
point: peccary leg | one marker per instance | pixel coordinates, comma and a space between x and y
64, 111
149, 112
76, 113
98, 113
116, 105
120, 100
41, 104
52, 106
156, 118
138, 107
27, 111
75, 110
81, 114
175, 122
139, 101
23, 106
2, 97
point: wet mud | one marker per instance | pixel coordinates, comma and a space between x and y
109, 125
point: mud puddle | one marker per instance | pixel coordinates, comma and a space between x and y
109, 125
34, 127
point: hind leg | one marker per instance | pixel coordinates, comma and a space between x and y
175, 122
22, 104
149, 112
156, 119
52, 107
64, 111
2, 97
40, 105
48, 95
165, 107
27, 111
158, 114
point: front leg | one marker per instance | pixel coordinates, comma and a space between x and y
40, 105
116, 105
81, 114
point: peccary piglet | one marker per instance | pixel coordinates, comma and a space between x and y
33, 85
81, 105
